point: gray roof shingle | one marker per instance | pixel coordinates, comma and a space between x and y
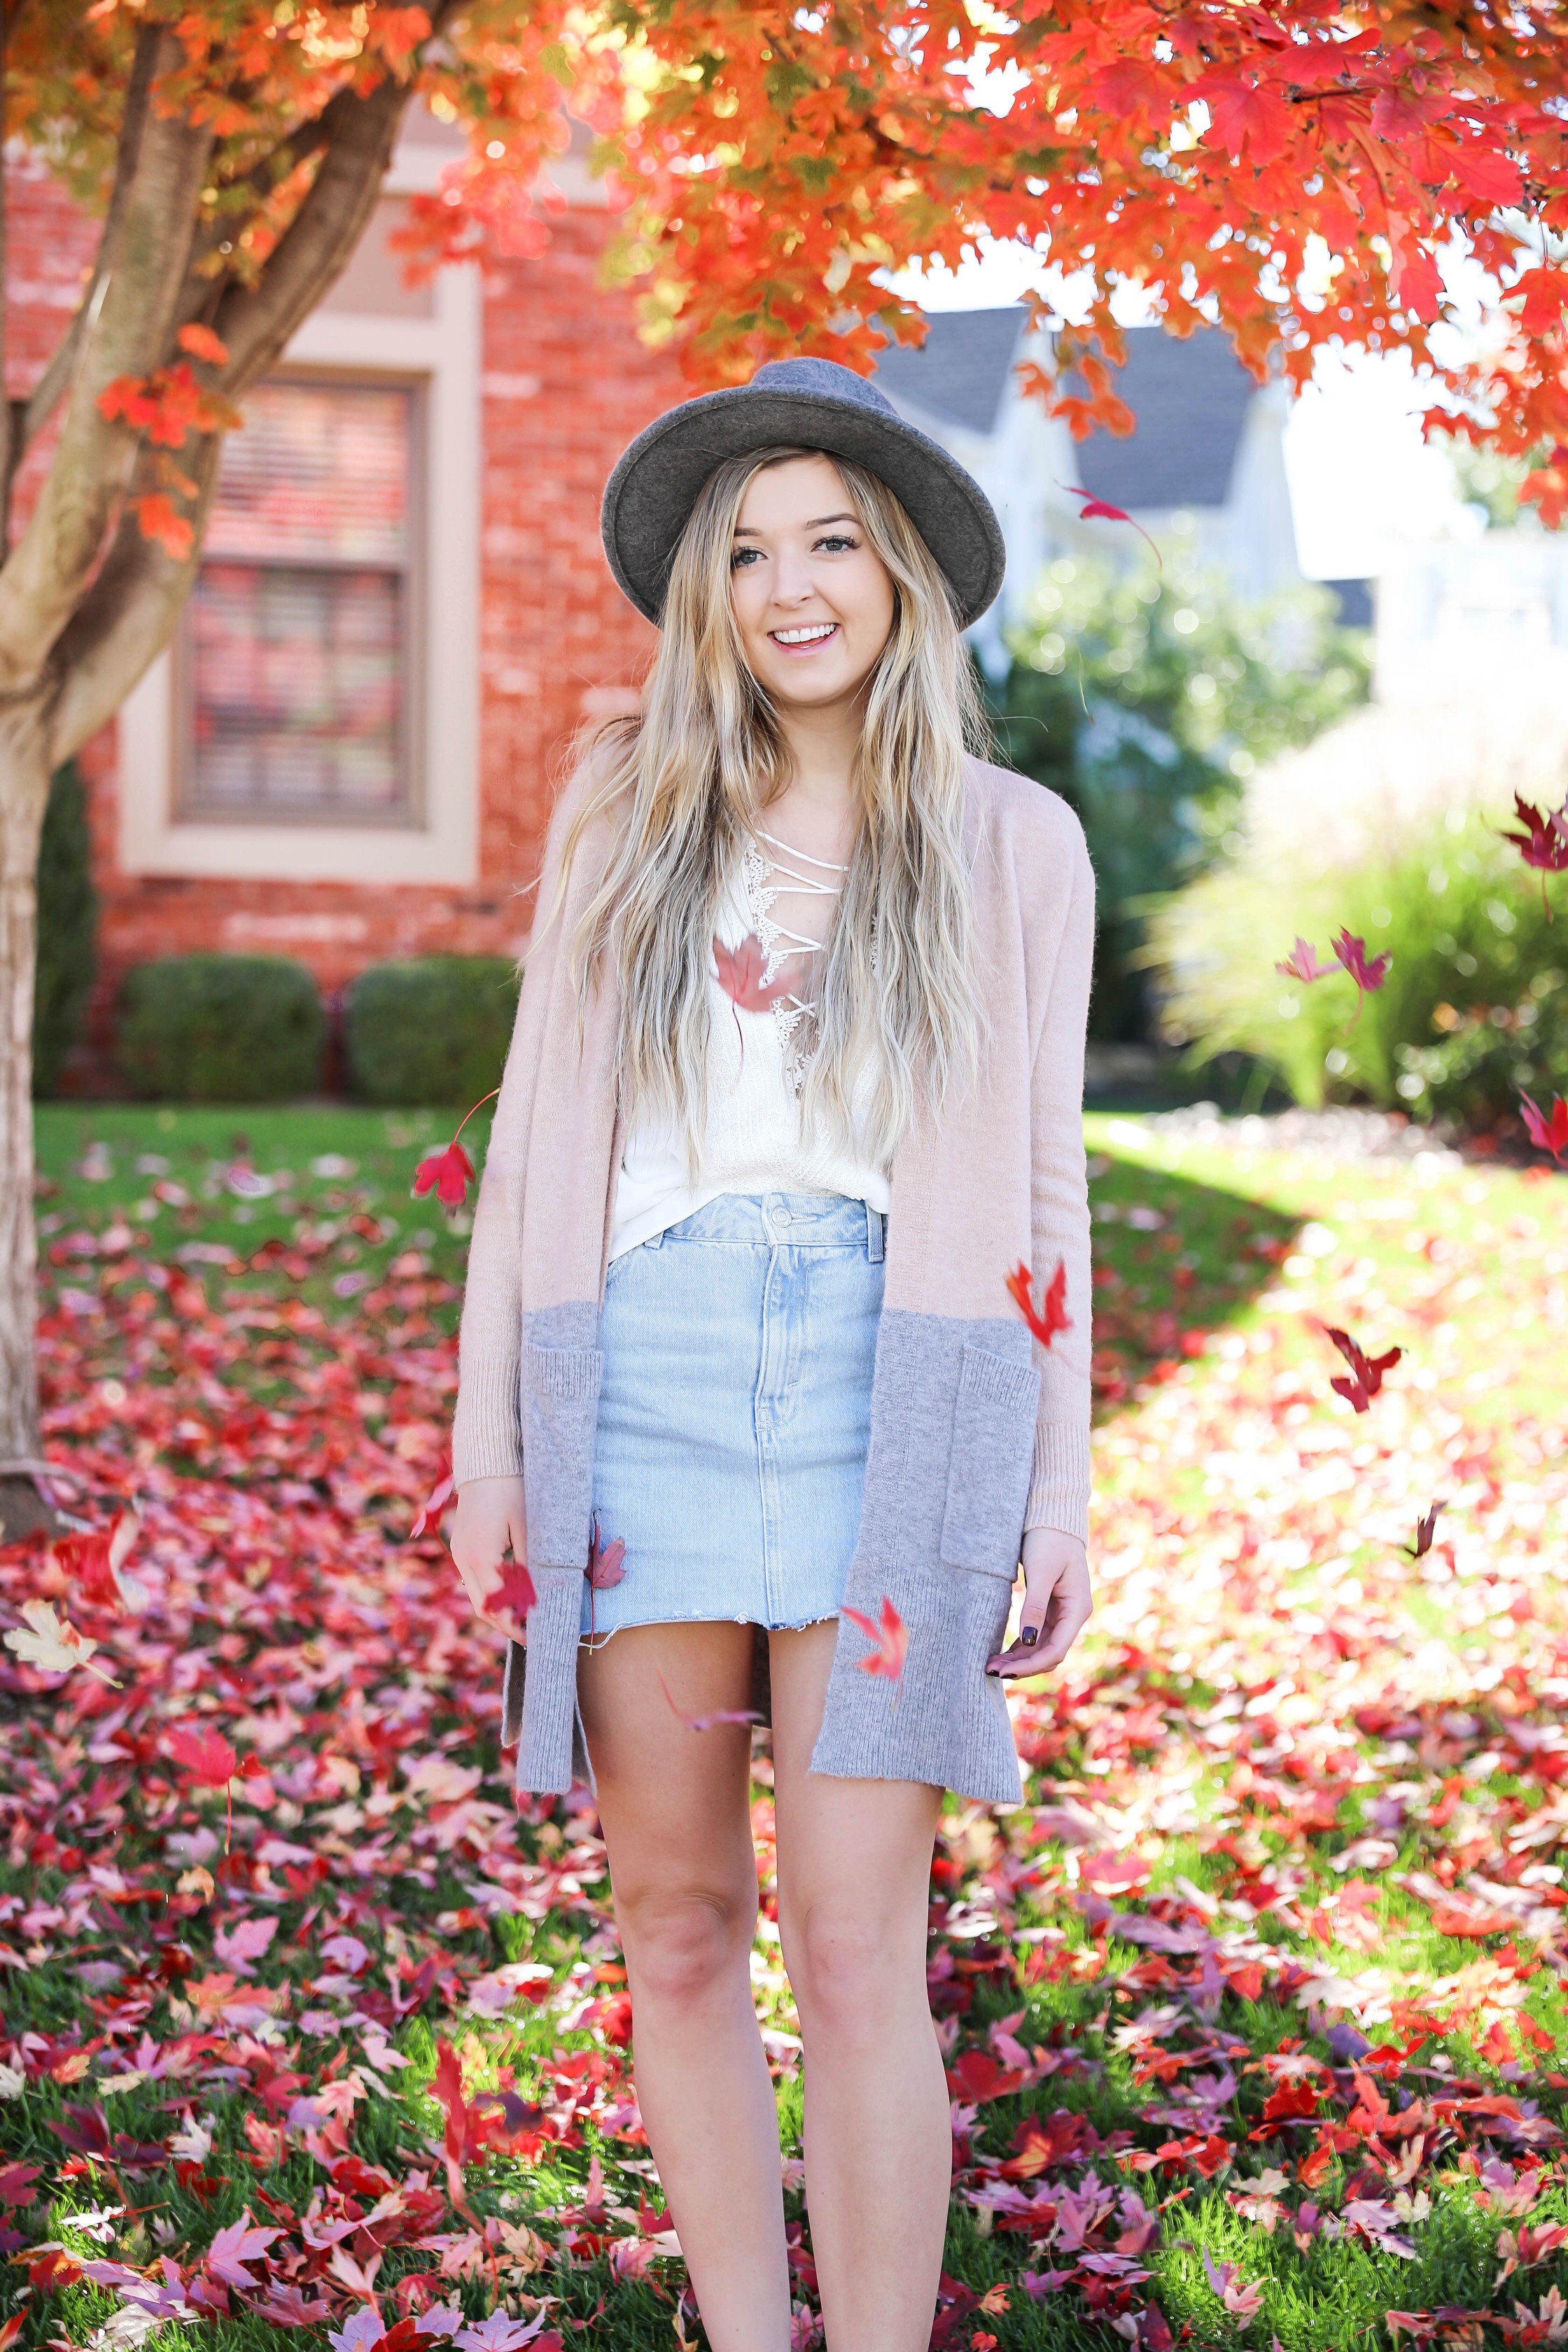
960, 372
1189, 397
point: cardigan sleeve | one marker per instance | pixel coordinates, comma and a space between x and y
486, 1426
1059, 1479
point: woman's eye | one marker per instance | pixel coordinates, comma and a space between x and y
837, 544
744, 555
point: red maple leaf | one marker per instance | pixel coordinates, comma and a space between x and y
1546, 1134
516, 1592
201, 343
93, 1564
1052, 1315
434, 1502
740, 974
1302, 963
205, 1757
1544, 843
449, 1173
1366, 973
1366, 1371
890, 1635
1095, 509
1425, 1527
604, 1568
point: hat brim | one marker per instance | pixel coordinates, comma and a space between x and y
650, 497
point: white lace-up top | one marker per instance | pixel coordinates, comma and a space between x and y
757, 1065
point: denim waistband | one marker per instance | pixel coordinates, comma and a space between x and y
783, 1221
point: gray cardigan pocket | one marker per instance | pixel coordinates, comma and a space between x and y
988, 1473
560, 1411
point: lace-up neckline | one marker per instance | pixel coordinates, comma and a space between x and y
766, 879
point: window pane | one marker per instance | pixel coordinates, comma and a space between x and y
295, 704
317, 471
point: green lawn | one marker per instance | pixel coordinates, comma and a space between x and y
1251, 2011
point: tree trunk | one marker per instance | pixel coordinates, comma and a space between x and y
23, 790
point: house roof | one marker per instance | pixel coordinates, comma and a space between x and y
960, 372
1190, 397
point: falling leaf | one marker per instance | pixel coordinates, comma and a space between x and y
1425, 1527
1546, 1134
1052, 1317
1302, 963
205, 1757
94, 1564
740, 971
890, 1636
1095, 509
1543, 841
515, 1594
1351, 952
434, 1502
53, 1644
1366, 1372
448, 1173
605, 1560
706, 1722
201, 343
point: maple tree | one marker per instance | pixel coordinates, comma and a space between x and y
1296, 172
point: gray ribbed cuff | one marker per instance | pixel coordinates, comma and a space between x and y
487, 1432
1059, 1479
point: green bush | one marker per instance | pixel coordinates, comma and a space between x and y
1147, 697
1475, 1007
68, 929
434, 1030
216, 1028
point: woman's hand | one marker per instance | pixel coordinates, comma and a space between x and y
491, 1519
1056, 1604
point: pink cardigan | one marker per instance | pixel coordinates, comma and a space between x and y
977, 1433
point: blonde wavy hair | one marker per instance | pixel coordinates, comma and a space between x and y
684, 784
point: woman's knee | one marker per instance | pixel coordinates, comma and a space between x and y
847, 1967
684, 1943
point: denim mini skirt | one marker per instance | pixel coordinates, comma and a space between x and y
734, 1414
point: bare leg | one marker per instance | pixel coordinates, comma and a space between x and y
854, 1874
674, 1805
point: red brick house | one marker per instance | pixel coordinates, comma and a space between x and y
403, 615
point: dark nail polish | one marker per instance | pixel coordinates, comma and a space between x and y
1029, 1636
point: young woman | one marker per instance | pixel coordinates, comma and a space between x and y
795, 1086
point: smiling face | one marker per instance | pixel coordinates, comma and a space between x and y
812, 600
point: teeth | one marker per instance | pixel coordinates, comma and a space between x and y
808, 636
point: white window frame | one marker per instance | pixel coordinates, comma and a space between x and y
440, 842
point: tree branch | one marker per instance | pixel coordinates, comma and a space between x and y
257, 321
128, 616
42, 399
125, 333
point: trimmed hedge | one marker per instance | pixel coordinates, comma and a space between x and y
68, 929
218, 1028
433, 1030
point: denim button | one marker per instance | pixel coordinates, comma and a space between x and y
781, 1217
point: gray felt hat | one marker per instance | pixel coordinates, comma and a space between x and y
810, 404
